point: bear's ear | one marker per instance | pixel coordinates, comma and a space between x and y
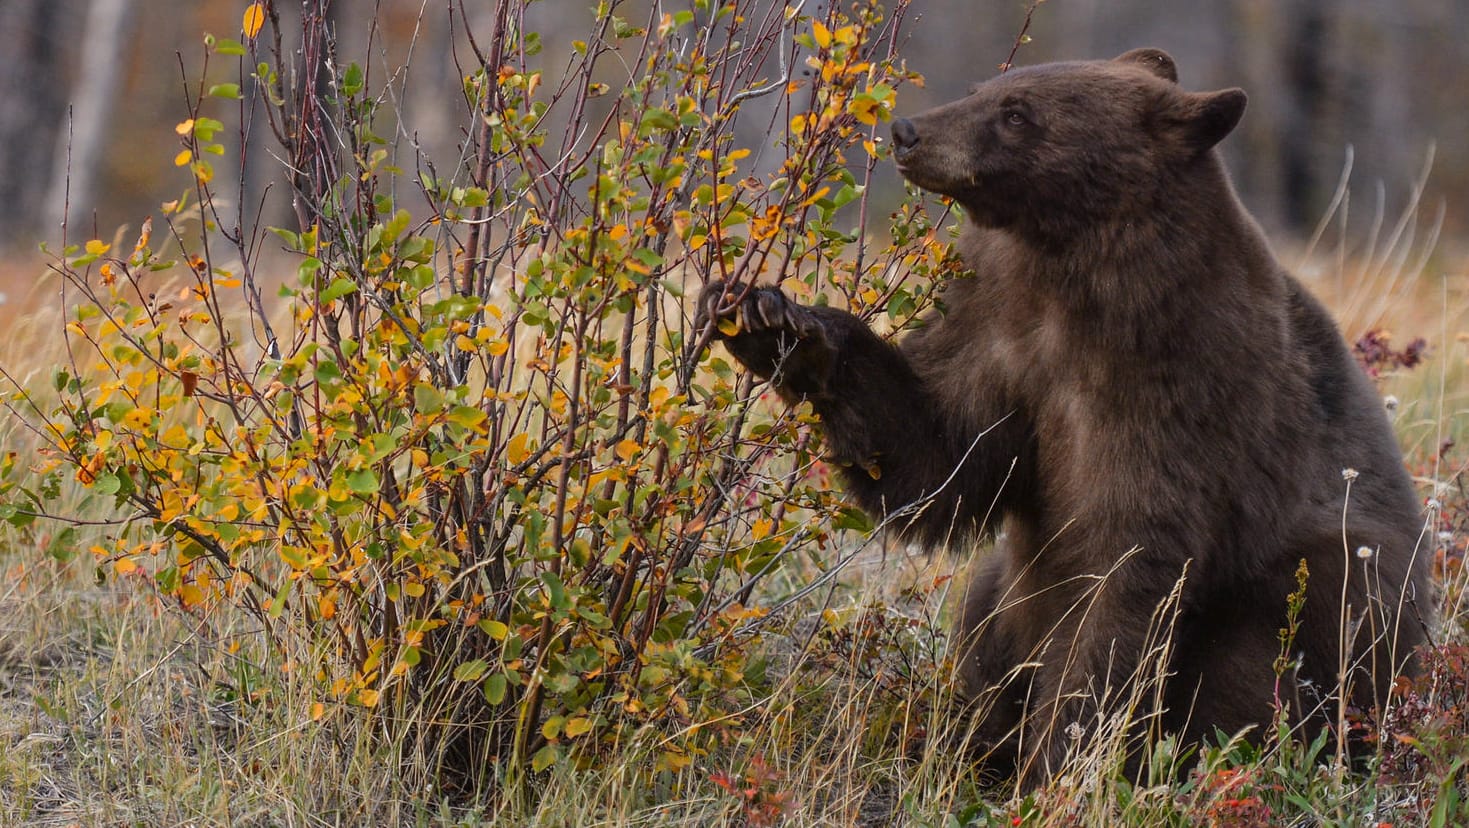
1157, 61
1202, 119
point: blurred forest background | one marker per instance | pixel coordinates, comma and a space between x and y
91, 90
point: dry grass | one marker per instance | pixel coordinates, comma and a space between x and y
116, 710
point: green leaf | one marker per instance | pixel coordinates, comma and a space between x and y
352, 80
494, 629
63, 546
278, 603
545, 758
229, 91
337, 289
468, 417
12, 514
562, 683
427, 399
167, 579
657, 119
853, 519
326, 373
396, 225
205, 128
494, 688
555, 590
471, 670
362, 481
225, 46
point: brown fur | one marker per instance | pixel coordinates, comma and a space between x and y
1130, 391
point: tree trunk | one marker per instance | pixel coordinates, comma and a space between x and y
32, 106
77, 165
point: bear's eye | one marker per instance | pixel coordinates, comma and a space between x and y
1014, 118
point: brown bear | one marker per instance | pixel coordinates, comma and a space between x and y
1155, 422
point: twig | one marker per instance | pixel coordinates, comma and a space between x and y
1020, 38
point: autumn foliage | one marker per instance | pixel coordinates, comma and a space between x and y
471, 468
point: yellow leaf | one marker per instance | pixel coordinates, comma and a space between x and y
464, 343
317, 711
673, 760
578, 726
185, 127
518, 449
628, 449
254, 19
124, 565
864, 110
658, 397
761, 530
183, 158
191, 595
821, 34
97, 247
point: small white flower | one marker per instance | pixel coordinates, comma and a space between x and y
1445, 538
1349, 474
1390, 402
1075, 731
1433, 504
1365, 552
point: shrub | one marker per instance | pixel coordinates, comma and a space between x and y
474, 472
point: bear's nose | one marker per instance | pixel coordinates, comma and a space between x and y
905, 135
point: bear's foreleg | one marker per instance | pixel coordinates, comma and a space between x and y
900, 455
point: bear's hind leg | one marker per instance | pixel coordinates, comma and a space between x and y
989, 643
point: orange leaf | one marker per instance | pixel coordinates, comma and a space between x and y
144, 236
628, 449
518, 449
761, 530
254, 19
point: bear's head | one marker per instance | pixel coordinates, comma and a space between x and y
1054, 148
